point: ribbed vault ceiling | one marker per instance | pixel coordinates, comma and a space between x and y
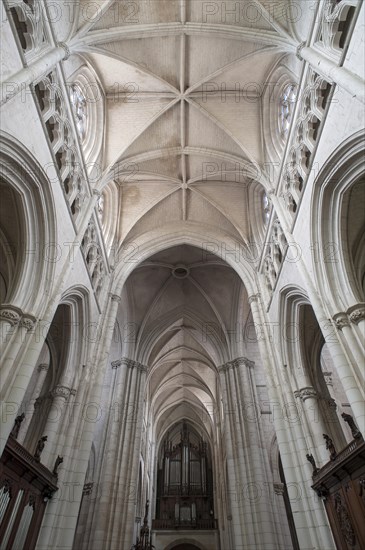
183, 83
184, 311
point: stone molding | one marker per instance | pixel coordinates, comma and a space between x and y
306, 393
116, 364
115, 297
235, 363
61, 391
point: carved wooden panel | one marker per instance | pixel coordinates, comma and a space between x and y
341, 483
25, 487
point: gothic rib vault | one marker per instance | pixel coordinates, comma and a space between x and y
196, 168
184, 126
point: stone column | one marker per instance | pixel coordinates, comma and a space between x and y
315, 427
59, 527
101, 516
7, 373
233, 508
329, 69
55, 422
251, 505
350, 327
345, 369
313, 529
135, 441
356, 315
33, 72
9, 319
42, 370
115, 510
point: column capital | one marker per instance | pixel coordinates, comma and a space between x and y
28, 321
243, 361
341, 320
11, 314
235, 363
131, 364
116, 364
306, 393
356, 313
253, 298
61, 391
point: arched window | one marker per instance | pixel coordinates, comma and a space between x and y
286, 107
79, 106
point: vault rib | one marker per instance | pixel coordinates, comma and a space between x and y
183, 110
94, 19
212, 305
255, 170
151, 30
270, 19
